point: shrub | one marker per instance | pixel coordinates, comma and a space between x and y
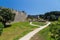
59, 19
1, 28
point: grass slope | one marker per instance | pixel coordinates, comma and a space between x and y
39, 23
16, 31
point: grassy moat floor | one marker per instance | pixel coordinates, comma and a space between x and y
16, 31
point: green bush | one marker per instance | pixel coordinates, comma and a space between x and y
1, 28
59, 19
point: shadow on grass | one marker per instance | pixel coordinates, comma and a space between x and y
6, 26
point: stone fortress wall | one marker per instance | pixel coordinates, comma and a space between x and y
19, 16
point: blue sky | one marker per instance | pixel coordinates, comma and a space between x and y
32, 7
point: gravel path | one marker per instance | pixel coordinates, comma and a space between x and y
32, 33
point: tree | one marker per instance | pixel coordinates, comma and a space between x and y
52, 17
6, 15
30, 17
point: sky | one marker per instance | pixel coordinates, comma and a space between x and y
32, 7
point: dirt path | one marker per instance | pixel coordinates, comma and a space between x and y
31, 34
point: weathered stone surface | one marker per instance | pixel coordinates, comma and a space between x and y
19, 16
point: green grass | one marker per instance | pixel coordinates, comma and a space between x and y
44, 34
16, 31
39, 23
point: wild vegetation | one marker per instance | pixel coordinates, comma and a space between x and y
55, 30
6, 15
52, 16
